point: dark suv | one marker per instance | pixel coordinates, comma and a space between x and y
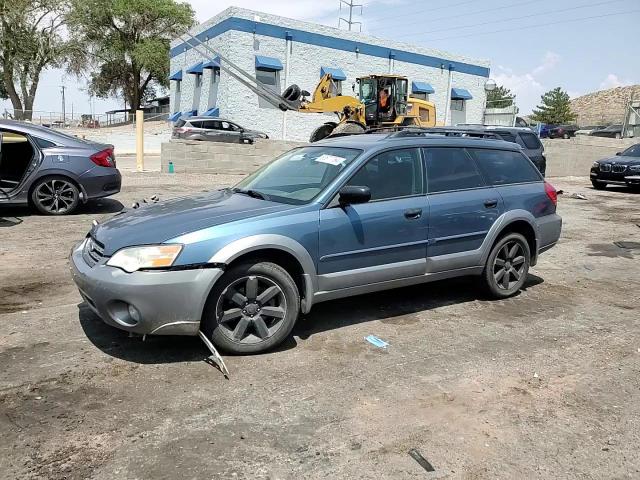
525, 137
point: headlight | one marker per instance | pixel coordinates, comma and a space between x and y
595, 165
150, 256
635, 168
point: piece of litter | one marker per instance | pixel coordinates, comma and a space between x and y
560, 192
423, 462
373, 340
215, 356
535, 375
38, 398
627, 245
579, 196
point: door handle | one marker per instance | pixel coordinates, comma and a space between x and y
491, 203
413, 213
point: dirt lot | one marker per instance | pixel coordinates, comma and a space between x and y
543, 385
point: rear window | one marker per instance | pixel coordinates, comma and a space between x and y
507, 137
450, 169
530, 140
503, 167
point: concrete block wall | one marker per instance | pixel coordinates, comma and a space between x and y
220, 158
573, 157
240, 104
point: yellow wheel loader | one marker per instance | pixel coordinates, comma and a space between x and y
382, 100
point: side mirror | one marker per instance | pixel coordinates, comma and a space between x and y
618, 153
242, 130
351, 195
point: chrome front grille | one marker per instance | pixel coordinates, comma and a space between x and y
605, 167
618, 168
93, 251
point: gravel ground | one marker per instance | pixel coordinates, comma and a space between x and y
543, 385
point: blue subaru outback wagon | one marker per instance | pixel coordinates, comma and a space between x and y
343, 217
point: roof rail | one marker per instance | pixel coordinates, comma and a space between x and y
445, 131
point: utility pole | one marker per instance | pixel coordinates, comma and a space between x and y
64, 117
349, 4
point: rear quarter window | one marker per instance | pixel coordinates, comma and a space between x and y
530, 141
180, 123
504, 167
42, 143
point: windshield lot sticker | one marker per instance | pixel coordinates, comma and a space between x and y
331, 160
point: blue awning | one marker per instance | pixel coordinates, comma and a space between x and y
215, 63
421, 87
460, 94
177, 76
212, 112
190, 113
336, 73
195, 69
174, 116
268, 63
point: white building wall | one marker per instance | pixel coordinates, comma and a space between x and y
238, 103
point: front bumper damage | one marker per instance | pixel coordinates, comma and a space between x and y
168, 302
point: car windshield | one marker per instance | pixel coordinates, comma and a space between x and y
632, 151
298, 176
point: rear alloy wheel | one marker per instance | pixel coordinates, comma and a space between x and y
507, 266
598, 185
55, 196
252, 308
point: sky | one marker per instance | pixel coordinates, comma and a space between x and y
533, 45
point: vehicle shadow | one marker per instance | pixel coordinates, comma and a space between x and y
92, 207
384, 306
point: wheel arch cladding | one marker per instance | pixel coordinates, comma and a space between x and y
276, 247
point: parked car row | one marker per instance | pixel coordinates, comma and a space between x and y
569, 131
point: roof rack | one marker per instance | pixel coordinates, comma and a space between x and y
445, 131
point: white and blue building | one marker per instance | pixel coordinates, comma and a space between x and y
281, 51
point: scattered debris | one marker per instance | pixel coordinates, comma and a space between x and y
423, 462
627, 245
535, 375
10, 221
373, 340
559, 192
578, 196
215, 357
151, 199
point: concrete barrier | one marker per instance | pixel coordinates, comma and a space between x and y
220, 158
573, 157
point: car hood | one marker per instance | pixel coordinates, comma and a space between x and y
621, 160
159, 222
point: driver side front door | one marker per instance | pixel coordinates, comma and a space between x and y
381, 240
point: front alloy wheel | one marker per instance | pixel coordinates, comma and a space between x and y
507, 266
252, 308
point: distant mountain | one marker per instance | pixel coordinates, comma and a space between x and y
604, 107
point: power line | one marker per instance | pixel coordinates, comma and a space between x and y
429, 10
537, 25
448, 17
507, 19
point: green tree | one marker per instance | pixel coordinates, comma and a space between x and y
499, 97
555, 108
32, 38
127, 44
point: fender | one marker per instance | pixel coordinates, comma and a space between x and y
236, 249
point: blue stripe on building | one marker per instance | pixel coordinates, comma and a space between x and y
301, 36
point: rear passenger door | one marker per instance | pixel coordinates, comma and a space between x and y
515, 178
462, 209
212, 130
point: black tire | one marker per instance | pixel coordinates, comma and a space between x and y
348, 128
598, 185
565, 136
243, 330
503, 277
55, 195
322, 132
292, 93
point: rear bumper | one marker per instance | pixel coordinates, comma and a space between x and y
101, 182
168, 302
549, 228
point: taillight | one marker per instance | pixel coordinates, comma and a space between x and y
104, 158
182, 130
551, 193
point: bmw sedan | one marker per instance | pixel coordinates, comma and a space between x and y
52, 171
623, 169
